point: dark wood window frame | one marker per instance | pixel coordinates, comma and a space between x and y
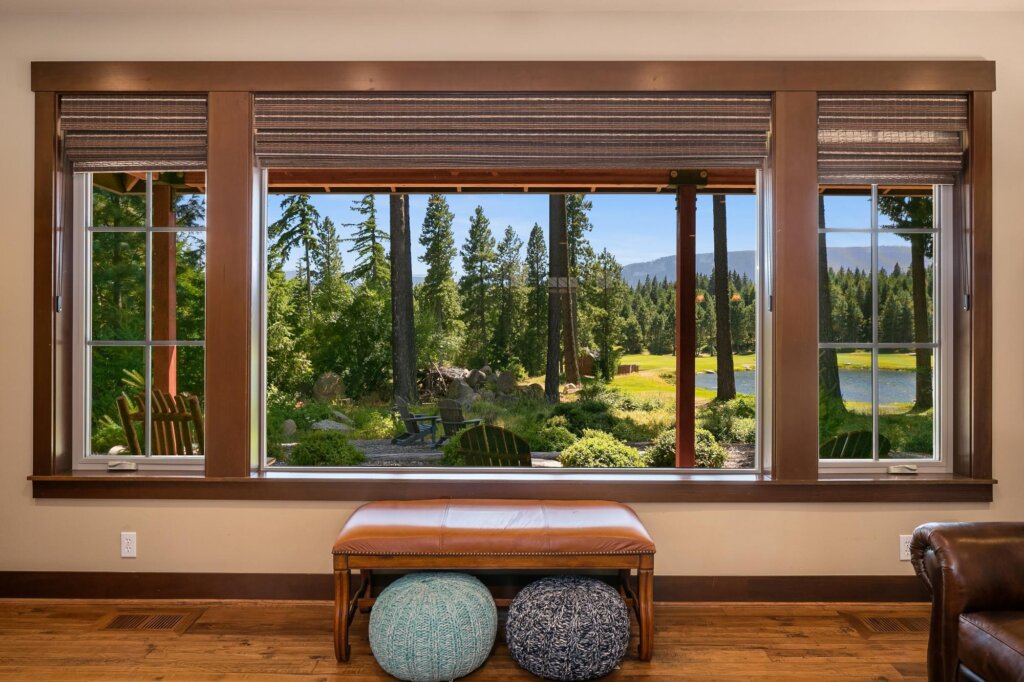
792, 474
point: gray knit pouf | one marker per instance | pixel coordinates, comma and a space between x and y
568, 628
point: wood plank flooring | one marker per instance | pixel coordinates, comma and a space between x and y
255, 641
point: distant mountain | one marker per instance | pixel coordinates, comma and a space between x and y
743, 262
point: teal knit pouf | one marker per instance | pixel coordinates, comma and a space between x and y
432, 627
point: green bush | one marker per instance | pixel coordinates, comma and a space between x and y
371, 423
722, 419
631, 431
552, 438
107, 434
662, 452
451, 458
585, 414
745, 430
597, 449
325, 448
709, 454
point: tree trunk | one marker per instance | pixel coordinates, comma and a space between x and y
403, 339
723, 324
556, 239
567, 293
922, 334
828, 363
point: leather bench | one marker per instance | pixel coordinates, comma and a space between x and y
548, 535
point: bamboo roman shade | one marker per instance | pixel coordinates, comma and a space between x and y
134, 132
894, 137
543, 130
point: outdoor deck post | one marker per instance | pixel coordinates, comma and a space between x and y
165, 299
556, 244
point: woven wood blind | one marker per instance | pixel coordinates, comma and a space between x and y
544, 131
891, 137
134, 132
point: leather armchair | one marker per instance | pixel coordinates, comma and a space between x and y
975, 572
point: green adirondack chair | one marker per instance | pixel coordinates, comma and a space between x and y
492, 446
853, 445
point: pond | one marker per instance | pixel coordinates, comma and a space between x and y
893, 386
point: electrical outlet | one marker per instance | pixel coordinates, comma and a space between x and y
905, 547
128, 546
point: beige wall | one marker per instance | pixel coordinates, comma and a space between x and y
724, 539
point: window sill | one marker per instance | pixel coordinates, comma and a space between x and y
646, 487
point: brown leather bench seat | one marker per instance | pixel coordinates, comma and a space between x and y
461, 534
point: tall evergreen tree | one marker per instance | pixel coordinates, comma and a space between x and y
607, 291
535, 322
438, 240
368, 240
478, 260
296, 228
508, 298
439, 310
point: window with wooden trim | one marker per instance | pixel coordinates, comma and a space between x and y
141, 316
906, 127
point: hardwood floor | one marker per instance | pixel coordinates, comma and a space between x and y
291, 641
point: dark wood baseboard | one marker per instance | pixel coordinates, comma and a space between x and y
667, 588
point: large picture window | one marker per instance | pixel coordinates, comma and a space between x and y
352, 380
141, 320
881, 341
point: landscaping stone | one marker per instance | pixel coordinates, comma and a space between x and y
506, 382
532, 391
327, 387
288, 428
342, 417
330, 425
475, 379
461, 391
486, 369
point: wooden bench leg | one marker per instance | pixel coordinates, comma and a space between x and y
365, 589
341, 613
645, 597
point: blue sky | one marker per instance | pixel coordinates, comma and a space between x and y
633, 227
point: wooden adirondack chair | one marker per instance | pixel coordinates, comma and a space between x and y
453, 419
177, 423
417, 426
853, 445
486, 445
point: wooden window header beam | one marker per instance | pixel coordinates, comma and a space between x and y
609, 76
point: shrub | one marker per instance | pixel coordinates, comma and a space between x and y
632, 431
709, 454
371, 423
586, 414
325, 448
744, 429
552, 438
662, 452
106, 435
451, 458
597, 449
721, 418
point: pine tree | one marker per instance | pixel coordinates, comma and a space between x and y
296, 228
607, 291
438, 323
368, 241
535, 322
475, 284
438, 240
508, 298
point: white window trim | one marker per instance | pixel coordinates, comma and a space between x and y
82, 459
941, 461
